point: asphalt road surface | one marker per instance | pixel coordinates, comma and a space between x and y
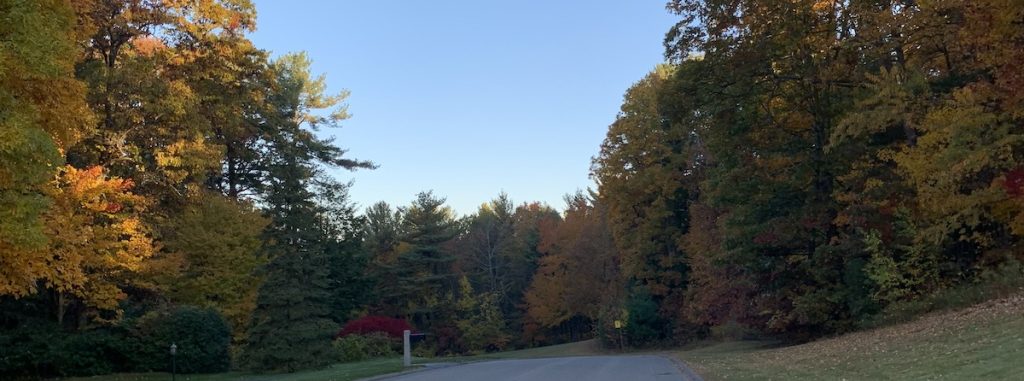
590, 368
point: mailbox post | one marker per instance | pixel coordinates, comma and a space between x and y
406, 348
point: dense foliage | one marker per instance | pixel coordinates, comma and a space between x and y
152, 162
797, 169
803, 165
44, 349
201, 337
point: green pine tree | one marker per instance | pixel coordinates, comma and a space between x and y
426, 266
292, 326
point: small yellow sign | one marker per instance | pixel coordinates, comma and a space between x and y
618, 324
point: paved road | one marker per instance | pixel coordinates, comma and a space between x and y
591, 368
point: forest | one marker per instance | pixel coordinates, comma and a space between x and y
794, 170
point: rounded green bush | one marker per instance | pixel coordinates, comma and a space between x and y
201, 335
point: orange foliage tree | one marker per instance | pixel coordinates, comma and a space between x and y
578, 273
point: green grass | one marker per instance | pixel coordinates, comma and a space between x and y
337, 372
357, 370
580, 348
981, 342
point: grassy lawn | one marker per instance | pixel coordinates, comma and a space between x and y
580, 348
981, 342
354, 371
337, 372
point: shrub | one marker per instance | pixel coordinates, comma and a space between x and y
1000, 281
368, 324
93, 352
643, 326
44, 350
24, 351
361, 347
425, 350
201, 335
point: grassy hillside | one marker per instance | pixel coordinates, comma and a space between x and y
981, 342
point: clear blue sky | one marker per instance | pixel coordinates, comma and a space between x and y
470, 98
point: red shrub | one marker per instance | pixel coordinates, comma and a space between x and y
367, 324
1014, 182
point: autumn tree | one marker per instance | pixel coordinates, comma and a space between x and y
834, 155
121, 121
42, 113
98, 242
153, 101
772, 82
965, 164
481, 322
220, 242
143, 121
578, 273
529, 220
645, 177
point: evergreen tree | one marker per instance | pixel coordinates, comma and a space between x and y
489, 245
382, 232
347, 258
292, 324
426, 265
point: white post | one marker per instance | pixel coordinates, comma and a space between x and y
407, 348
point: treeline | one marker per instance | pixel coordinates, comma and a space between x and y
803, 165
798, 168
504, 277
161, 182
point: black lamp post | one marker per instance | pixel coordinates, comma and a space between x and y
174, 365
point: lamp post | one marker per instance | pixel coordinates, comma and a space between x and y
174, 364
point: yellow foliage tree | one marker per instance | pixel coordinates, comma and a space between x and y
42, 112
97, 239
218, 241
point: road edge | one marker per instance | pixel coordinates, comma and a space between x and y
418, 368
688, 373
